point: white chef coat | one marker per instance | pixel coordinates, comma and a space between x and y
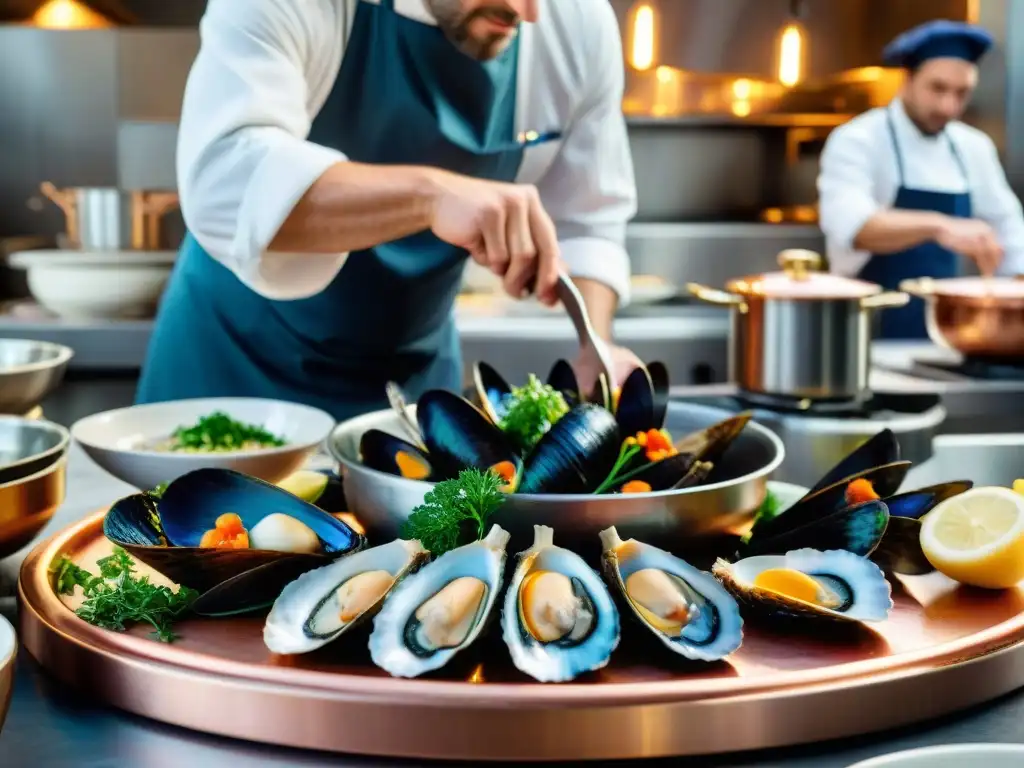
859, 176
264, 70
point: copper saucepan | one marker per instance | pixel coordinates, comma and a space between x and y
975, 316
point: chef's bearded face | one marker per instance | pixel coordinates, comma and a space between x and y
938, 91
482, 28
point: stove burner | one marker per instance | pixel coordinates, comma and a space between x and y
798, 405
879, 406
992, 369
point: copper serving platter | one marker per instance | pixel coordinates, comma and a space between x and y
943, 648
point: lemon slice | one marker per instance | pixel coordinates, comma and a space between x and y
977, 537
1018, 487
306, 484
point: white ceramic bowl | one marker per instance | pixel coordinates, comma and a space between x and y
952, 756
8, 652
120, 440
92, 285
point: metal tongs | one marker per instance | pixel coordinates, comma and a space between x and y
592, 347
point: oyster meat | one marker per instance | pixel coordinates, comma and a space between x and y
688, 610
319, 606
441, 609
808, 583
558, 619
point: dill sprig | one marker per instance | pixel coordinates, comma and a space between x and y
117, 598
454, 510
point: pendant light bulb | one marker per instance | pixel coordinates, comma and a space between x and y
644, 33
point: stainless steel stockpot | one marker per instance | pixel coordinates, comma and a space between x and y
800, 333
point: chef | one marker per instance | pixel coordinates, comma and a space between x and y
907, 189
339, 160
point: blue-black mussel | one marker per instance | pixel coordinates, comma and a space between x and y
234, 539
544, 438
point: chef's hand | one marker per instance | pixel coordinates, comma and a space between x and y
587, 371
504, 227
975, 239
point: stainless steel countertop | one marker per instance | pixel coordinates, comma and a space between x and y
53, 727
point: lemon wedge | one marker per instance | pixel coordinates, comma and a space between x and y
977, 537
1018, 487
306, 484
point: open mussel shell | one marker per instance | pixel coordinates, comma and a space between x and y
385, 452
815, 506
563, 379
660, 386
491, 389
671, 473
441, 609
831, 585
858, 529
710, 444
688, 610
322, 604
882, 449
558, 619
459, 436
400, 405
165, 534
575, 455
635, 408
917, 504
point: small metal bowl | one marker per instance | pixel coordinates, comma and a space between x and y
29, 371
27, 504
28, 446
382, 502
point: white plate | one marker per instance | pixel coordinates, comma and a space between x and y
952, 756
120, 441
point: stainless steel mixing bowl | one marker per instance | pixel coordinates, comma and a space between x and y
28, 446
735, 490
29, 371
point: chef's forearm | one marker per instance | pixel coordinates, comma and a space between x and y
892, 231
354, 206
601, 303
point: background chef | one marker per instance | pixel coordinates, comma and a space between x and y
906, 189
338, 160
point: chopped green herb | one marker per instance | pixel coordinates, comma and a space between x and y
622, 471
219, 432
530, 411
453, 508
117, 598
158, 492
769, 509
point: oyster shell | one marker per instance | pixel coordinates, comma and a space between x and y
441, 609
321, 605
688, 610
807, 583
558, 619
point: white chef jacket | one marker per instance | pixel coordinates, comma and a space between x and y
264, 70
859, 176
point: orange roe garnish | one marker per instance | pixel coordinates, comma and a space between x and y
506, 470
227, 533
657, 444
859, 491
636, 486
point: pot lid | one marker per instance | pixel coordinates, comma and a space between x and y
801, 278
970, 287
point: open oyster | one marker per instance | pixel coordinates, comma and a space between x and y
558, 620
807, 583
321, 605
441, 609
686, 609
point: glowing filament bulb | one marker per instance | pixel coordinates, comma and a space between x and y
790, 55
643, 38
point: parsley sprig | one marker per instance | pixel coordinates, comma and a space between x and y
453, 510
768, 510
116, 597
530, 411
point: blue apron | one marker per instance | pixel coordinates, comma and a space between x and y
405, 95
925, 260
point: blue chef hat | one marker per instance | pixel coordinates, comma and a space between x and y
937, 39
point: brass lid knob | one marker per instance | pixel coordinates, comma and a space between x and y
798, 262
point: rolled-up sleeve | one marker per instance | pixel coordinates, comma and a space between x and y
243, 160
995, 202
590, 190
847, 197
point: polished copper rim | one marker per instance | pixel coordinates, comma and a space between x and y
303, 708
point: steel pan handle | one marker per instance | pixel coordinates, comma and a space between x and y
887, 300
714, 296
921, 287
